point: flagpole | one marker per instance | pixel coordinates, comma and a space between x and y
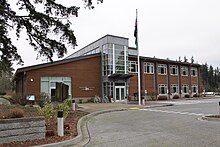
138, 58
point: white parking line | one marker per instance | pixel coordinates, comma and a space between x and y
173, 112
188, 102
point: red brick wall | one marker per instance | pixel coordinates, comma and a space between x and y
161, 79
184, 80
173, 79
86, 72
194, 80
149, 83
133, 84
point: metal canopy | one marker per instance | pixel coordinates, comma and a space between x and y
120, 76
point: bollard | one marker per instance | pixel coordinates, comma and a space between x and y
126, 101
143, 102
112, 100
219, 108
60, 127
73, 105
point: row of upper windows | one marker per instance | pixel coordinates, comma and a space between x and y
162, 69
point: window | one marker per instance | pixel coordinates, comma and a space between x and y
173, 70
133, 66
162, 69
194, 89
185, 88
107, 59
48, 85
184, 71
162, 89
149, 68
174, 88
194, 71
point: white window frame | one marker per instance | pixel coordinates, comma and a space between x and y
162, 66
136, 66
162, 86
172, 90
150, 66
184, 68
187, 86
175, 67
195, 71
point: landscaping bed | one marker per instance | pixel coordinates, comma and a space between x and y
51, 136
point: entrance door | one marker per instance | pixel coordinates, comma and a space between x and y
119, 93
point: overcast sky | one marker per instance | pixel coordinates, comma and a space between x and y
167, 28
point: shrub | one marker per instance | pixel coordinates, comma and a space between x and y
152, 96
45, 98
22, 101
47, 111
16, 113
4, 115
91, 100
12, 113
65, 107
187, 96
176, 96
80, 101
68, 102
195, 95
50, 112
162, 97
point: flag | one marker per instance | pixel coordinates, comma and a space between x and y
136, 32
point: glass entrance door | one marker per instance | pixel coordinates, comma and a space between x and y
119, 93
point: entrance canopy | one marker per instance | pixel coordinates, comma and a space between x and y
116, 77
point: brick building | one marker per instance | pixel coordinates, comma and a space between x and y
109, 67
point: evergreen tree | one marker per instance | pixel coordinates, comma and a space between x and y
6, 82
210, 77
40, 25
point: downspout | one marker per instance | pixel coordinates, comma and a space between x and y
168, 80
189, 79
155, 80
179, 79
198, 80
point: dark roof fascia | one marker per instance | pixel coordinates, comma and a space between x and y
165, 60
97, 41
132, 48
24, 69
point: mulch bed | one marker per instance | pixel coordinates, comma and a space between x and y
70, 130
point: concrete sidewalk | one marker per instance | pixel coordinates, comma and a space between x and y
94, 107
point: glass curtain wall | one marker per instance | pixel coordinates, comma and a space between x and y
121, 59
114, 61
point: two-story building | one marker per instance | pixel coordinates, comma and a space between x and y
108, 66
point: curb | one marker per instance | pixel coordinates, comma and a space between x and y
210, 118
83, 136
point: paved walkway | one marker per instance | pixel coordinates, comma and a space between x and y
94, 107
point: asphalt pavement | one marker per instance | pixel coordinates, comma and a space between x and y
180, 125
